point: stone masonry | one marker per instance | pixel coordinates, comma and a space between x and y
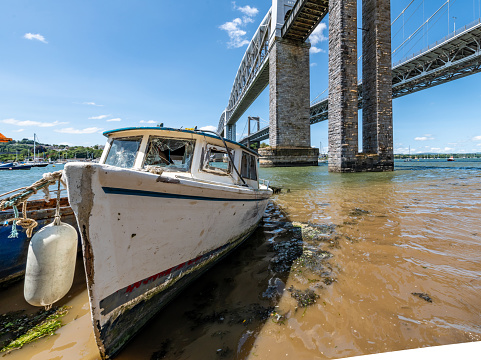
377, 138
343, 98
289, 93
377, 126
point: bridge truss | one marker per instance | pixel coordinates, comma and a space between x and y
252, 76
453, 57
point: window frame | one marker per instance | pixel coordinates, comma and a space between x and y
205, 157
167, 168
123, 138
251, 164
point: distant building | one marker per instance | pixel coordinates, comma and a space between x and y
4, 139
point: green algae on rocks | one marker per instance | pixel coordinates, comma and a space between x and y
18, 329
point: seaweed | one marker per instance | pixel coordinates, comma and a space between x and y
358, 212
423, 296
304, 297
19, 329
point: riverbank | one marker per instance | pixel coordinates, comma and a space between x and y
364, 252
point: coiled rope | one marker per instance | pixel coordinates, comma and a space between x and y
22, 197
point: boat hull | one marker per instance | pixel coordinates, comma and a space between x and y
146, 237
16, 167
13, 257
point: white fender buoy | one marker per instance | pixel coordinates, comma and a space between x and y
50, 264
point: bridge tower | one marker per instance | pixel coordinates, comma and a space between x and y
377, 152
289, 93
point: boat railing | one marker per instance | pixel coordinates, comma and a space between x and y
264, 182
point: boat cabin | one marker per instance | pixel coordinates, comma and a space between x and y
182, 154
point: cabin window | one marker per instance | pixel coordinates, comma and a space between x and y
123, 151
215, 159
249, 166
170, 154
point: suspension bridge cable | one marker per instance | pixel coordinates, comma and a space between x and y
419, 28
402, 28
402, 12
323, 91
243, 131
430, 26
444, 12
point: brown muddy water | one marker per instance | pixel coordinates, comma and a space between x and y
342, 265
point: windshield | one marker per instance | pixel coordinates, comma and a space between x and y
170, 154
123, 151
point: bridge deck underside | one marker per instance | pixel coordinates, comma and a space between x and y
254, 89
303, 19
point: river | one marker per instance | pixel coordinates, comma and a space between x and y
394, 263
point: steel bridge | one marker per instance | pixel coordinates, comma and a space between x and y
253, 74
455, 56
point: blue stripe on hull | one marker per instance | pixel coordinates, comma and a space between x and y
120, 191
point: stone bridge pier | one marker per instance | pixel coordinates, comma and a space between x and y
377, 129
289, 94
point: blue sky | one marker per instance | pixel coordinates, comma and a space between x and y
70, 70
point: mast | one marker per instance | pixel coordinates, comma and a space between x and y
34, 147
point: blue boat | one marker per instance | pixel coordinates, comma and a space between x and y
13, 254
15, 166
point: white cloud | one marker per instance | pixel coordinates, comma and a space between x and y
316, 50
247, 10
317, 35
236, 35
477, 138
147, 121
31, 123
435, 149
424, 138
209, 128
70, 130
448, 149
100, 117
38, 37
312, 64
116, 119
19, 130
90, 103
235, 27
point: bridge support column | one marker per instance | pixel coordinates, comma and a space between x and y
289, 126
230, 132
377, 138
343, 97
377, 126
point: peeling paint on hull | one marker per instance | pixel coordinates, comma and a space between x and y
118, 332
142, 246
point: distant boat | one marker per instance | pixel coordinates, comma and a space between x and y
451, 158
36, 163
15, 166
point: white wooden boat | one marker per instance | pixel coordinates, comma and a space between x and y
154, 214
